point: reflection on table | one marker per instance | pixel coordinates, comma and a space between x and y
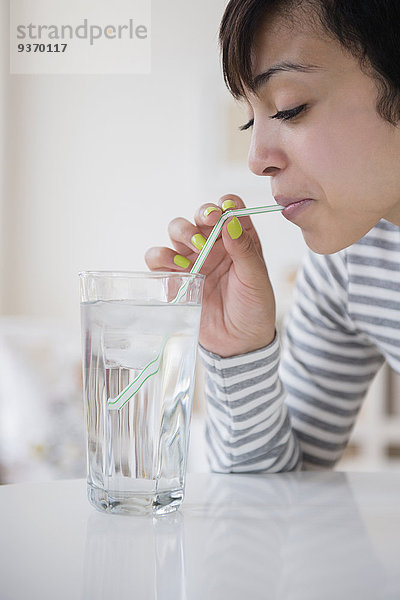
295, 536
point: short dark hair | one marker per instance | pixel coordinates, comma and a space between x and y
369, 29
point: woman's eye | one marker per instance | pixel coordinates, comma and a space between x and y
283, 115
286, 115
247, 125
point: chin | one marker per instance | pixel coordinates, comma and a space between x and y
321, 245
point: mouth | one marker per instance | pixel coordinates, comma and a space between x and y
292, 206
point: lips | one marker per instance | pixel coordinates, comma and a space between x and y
285, 201
292, 206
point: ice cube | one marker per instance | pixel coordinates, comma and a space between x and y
130, 349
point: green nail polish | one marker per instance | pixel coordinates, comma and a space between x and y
181, 261
228, 204
234, 229
209, 210
198, 241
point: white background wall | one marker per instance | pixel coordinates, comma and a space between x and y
96, 166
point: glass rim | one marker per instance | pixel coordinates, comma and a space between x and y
141, 274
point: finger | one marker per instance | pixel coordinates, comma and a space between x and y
249, 264
232, 201
165, 259
206, 216
186, 238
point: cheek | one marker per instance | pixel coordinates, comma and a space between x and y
318, 152
337, 158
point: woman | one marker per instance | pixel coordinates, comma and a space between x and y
321, 81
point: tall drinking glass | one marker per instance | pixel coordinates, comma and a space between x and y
139, 339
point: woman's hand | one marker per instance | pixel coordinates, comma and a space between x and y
238, 313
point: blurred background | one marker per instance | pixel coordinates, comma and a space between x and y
93, 167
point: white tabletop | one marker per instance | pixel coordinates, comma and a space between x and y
290, 536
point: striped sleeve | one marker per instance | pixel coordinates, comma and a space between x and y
272, 415
327, 363
248, 426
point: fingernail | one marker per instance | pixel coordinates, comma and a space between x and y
228, 204
209, 210
234, 229
181, 261
198, 241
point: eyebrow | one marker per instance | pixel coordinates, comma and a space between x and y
262, 78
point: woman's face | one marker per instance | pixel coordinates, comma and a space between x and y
336, 151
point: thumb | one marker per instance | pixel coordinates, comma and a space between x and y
248, 262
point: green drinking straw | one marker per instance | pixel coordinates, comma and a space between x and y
154, 366
216, 230
237, 212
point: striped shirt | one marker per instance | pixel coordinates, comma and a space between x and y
272, 413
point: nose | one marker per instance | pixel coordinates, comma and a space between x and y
266, 156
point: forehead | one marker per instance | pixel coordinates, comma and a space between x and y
302, 40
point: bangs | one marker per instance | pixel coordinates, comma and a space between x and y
239, 26
236, 36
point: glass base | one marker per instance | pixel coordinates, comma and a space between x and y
131, 503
